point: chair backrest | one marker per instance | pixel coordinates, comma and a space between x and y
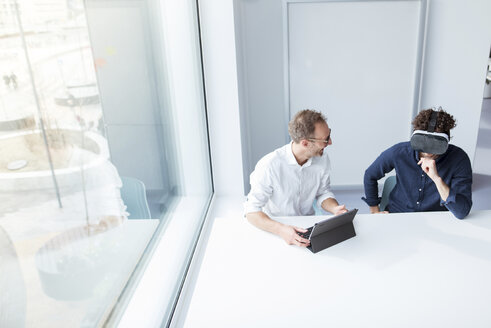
135, 198
389, 184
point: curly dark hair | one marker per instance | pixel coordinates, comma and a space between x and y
302, 125
444, 122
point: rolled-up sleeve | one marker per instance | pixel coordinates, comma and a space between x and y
459, 200
261, 188
324, 192
377, 170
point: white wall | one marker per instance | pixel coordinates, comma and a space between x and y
259, 33
458, 42
359, 64
220, 69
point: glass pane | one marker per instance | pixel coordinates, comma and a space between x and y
98, 118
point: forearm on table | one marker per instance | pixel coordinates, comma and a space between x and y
262, 221
374, 209
443, 188
329, 204
461, 207
459, 204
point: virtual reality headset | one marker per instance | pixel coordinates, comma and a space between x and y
429, 142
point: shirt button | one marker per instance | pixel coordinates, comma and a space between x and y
419, 189
422, 175
417, 203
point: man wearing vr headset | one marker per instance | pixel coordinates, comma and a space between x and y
432, 175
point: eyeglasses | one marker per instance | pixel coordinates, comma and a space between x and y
321, 140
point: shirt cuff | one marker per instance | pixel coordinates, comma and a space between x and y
450, 198
323, 197
372, 201
251, 208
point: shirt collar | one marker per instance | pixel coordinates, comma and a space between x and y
291, 158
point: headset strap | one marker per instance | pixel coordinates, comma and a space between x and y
432, 124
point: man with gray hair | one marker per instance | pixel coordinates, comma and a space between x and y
287, 181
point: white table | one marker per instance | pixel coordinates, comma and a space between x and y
401, 270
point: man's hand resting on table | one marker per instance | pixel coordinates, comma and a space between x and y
332, 205
340, 209
287, 232
376, 210
290, 236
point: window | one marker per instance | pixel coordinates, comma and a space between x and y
97, 95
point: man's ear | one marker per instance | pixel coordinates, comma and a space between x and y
304, 142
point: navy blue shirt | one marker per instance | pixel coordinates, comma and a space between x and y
414, 190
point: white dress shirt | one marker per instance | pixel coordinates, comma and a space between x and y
282, 187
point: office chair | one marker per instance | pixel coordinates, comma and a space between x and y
135, 198
389, 184
319, 210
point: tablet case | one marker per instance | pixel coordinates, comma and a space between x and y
334, 234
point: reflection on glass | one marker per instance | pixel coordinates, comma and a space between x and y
50, 118
60, 202
13, 299
90, 94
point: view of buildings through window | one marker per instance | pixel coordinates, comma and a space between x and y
50, 113
76, 121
